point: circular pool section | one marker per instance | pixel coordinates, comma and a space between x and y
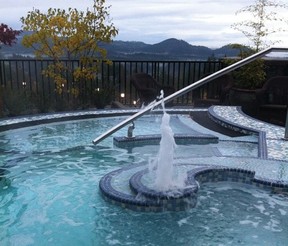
49, 194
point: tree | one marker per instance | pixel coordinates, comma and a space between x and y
256, 25
72, 34
8, 35
252, 75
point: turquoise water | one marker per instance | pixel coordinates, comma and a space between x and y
49, 194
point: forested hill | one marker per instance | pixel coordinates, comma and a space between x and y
170, 49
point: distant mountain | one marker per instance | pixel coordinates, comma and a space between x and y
177, 47
226, 51
170, 49
16, 49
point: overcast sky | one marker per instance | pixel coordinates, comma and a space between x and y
199, 22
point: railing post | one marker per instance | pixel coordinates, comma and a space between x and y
286, 126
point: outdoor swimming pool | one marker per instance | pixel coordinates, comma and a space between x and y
49, 192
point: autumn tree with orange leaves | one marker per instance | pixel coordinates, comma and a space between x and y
70, 34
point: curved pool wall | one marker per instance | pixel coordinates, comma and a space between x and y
152, 200
146, 199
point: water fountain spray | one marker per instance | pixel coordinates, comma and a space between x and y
165, 175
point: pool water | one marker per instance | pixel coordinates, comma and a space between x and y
49, 194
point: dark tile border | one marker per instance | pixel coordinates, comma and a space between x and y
20, 122
145, 199
154, 139
262, 144
37, 119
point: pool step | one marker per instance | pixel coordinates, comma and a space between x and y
203, 119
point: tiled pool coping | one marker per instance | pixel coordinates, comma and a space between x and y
30, 120
24, 121
233, 117
235, 126
144, 199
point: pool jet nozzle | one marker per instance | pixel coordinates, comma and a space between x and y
130, 130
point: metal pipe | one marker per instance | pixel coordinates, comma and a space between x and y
187, 89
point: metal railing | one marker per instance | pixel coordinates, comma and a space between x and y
27, 74
188, 89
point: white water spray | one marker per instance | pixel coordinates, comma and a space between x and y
165, 175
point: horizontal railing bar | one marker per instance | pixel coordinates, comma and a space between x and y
187, 89
112, 60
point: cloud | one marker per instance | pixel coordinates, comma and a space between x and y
180, 19
201, 22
